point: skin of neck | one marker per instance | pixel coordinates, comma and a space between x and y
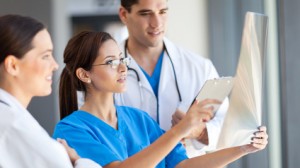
100, 105
140, 51
145, 56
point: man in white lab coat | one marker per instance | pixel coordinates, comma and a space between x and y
163, 79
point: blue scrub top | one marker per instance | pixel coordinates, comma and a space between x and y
94, 139
154, 79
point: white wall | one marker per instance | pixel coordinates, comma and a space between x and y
188, 25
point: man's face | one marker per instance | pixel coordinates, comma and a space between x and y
146, 22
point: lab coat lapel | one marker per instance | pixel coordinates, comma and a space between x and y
167, 78
168, 95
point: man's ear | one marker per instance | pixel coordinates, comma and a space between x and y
123, 14
11, 65
83, 75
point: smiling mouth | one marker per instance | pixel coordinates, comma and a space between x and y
122, 79
155, 33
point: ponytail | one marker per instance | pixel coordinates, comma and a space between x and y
67, 94
80, 52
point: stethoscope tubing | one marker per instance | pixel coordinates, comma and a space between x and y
138, 76
140, 83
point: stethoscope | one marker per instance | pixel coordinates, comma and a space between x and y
139, 79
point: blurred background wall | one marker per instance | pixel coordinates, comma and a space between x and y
211, 28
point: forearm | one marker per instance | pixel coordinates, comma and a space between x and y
153, 154
216, 159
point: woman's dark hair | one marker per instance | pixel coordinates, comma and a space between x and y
80, 52
16, 35
128, 3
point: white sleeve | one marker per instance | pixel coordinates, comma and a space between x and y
214, 127
86, 163
25, 145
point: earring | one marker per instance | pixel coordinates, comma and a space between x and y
89, 81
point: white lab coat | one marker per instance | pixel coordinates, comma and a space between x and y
191, 71
24, 143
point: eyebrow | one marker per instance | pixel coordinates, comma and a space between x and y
112, 56
148, 10
45, 51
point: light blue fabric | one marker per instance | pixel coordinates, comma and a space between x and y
154, 79
92, 138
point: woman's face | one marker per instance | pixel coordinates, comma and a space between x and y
105, 78
37, 66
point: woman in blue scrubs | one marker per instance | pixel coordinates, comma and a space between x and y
119, 136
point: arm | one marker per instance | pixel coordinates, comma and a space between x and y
206, 133
214, 160
223, 157
200, 133
152, 155
71, 152
107, 154
75, 158
22, 146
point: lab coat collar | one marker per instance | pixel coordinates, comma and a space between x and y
173, 52
11, 101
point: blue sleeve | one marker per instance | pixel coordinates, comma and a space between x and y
85, 144
177, 155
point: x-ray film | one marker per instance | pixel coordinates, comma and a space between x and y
245, 103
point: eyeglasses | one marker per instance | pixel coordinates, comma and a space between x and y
115, 63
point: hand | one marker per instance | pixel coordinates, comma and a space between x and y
179, 115
71, 152
198, 114
259, 141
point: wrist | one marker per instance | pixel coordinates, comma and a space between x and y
203, 137
246, 149
182, 129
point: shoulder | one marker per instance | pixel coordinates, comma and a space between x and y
75, 120
76, 123
179, 53
19, 131
190, 63
7, 119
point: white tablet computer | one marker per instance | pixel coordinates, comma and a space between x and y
218, 88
